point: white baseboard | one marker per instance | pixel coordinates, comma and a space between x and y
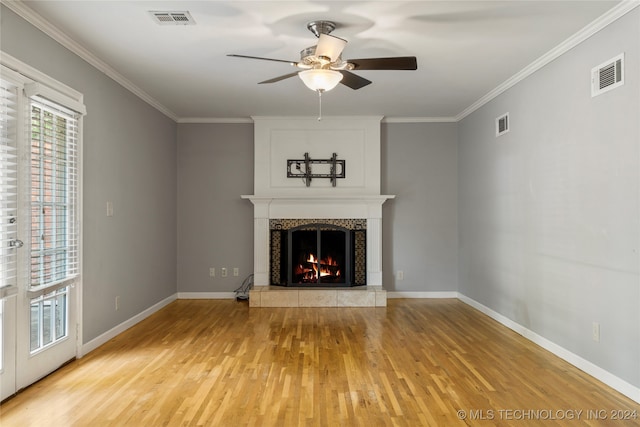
409, 294
113, 332
206, 295
595, 371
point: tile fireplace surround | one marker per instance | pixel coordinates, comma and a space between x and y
355, 140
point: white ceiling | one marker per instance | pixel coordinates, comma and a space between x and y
464, 50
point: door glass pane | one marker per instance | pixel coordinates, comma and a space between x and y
53, 175
61, 316
49, 319
35, 326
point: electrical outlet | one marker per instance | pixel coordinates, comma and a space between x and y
595, 331
117, 303
109, 208
399, 275
236, 271
223, 272
212, 272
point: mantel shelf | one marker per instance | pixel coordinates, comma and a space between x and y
320, 197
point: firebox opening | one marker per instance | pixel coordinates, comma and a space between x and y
318, 255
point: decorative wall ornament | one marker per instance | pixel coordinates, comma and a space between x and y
301, 168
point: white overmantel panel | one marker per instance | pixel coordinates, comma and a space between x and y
354, 139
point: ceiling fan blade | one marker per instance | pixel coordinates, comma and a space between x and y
264, 59
330, 47
353, 80
277, 79
395, 63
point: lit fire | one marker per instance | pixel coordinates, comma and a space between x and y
310, 270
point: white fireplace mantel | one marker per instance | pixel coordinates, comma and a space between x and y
314, 206
367, 207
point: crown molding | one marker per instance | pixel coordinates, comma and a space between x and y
250, 120
27, 71
607, 18
29, 15
215, 120
419, 120
195, 120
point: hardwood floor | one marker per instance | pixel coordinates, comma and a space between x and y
413, 363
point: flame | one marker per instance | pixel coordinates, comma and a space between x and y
312, 274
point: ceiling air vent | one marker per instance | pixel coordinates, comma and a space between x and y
502, 124
172, 18
607, 76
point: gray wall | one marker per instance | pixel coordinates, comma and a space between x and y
215, 226
129, 159
420, 230
549, 213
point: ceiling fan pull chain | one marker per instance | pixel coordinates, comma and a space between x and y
319, 105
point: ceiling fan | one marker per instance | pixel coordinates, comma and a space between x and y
323, 67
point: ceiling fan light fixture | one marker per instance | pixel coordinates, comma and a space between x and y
320, 80
329, 47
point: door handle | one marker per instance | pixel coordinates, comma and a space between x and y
16, 243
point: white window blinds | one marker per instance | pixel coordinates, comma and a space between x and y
54, 177
8, 185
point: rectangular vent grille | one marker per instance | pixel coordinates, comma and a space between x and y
502, 124
607, 76
173, 18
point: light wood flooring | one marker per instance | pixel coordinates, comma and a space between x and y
412, 363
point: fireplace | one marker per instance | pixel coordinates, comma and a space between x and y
318, 253
295, 219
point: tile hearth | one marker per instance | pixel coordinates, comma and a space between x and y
276, 296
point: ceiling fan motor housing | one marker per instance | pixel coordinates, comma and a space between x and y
321, 27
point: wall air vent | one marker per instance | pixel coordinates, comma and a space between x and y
172, 18
607, 76
502, 124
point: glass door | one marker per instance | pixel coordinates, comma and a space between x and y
39, 228
46, 314
318, 254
